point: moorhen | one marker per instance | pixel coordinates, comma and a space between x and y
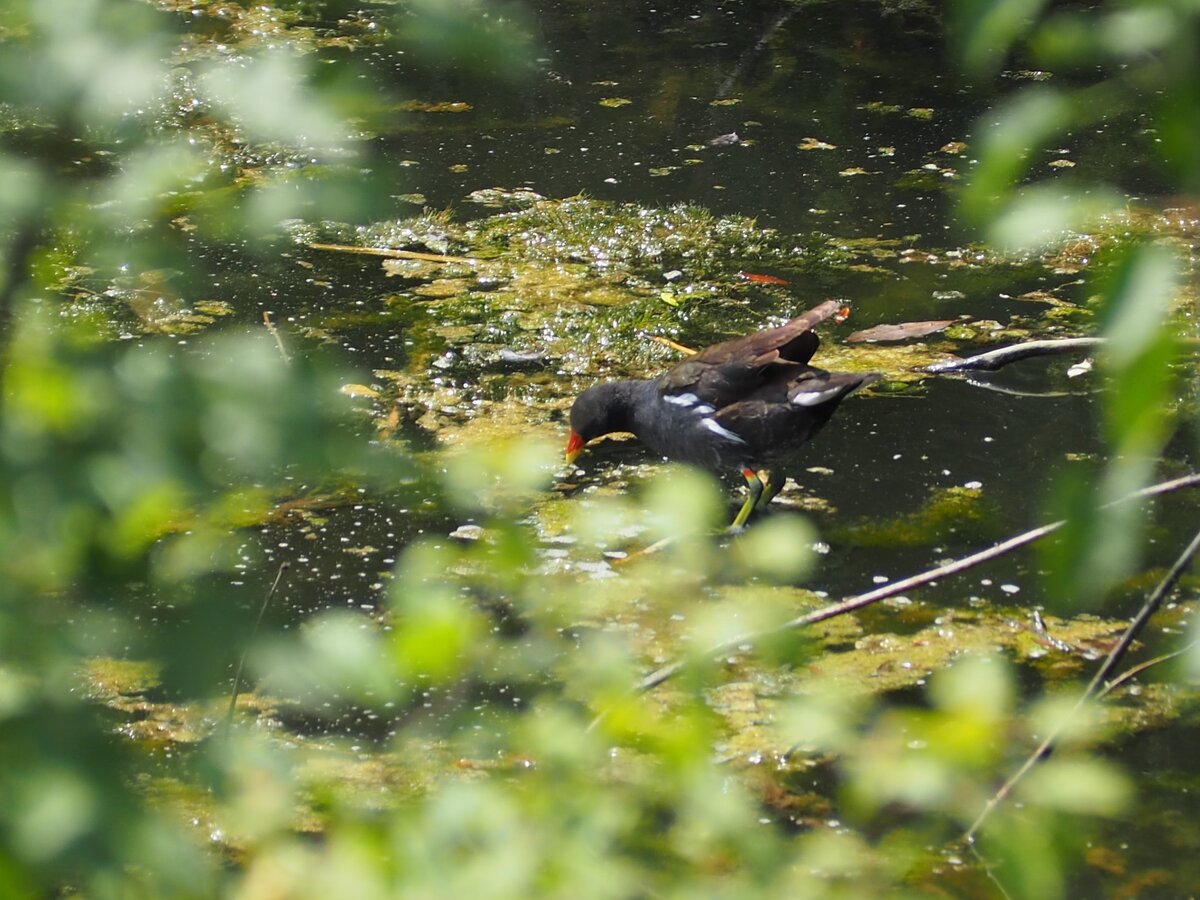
745, 403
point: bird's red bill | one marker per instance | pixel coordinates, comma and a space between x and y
574, 446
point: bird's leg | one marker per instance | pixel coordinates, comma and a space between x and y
773, 483
754, 489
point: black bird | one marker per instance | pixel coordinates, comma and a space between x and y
746, 403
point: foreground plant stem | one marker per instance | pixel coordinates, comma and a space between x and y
237, 675
1153, 602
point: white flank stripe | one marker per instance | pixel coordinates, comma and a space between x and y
717, 428
815, 398
682, 399
704, 410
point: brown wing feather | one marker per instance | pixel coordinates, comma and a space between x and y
764, 347
724, 372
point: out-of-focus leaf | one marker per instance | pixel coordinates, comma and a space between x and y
340, 658
1084, 786
151, 177
1028, 856
1011, 134
1138, 30
500, 475
101, 62
56, 807
1100, 543
985, 30
779, 548
978, 686
683, 502
490, 39
825, 720
267, 99
1137, 300
1047, 214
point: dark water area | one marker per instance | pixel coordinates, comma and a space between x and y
873, 86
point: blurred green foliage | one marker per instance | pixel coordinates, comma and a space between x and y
126, 471
1134, 64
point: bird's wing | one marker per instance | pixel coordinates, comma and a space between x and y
816, 387
787, 413
725, 373
793, 341
709, 384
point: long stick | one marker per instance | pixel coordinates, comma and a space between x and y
858, 601
1153, 602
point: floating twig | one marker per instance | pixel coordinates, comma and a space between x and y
394, 254
667, 342
1002, 356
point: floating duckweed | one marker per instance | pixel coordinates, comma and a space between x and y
953, 509
445, 106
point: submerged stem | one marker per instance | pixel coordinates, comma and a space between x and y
237, 675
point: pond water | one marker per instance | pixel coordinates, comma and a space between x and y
838, 124
872, 88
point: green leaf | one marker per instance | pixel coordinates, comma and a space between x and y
779, 548
987, 29
1139, 296
1016, 129
1088, 787
1045, 215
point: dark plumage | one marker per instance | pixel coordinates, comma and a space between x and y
746, 403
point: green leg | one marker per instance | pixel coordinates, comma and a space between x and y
773, 483
754, 490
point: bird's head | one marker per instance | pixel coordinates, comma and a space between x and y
601, 409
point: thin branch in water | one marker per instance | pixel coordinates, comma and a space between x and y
754, 51
850, 604
996, 359
274, 332
1134, 671
992, 360
988, 871
1153, 602
858, 601
237, 675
